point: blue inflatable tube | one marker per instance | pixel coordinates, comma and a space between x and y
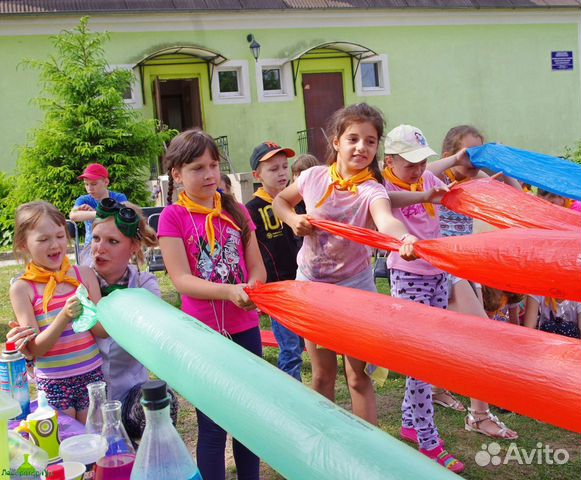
298, 432
552, 174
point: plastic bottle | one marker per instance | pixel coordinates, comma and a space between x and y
162, 453
97, 397
118, 461
14, 378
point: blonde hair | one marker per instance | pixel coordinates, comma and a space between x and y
27, 217
304, 162
147, 236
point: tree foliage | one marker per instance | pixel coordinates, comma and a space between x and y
86, 120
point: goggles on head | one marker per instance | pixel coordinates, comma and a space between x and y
126, 219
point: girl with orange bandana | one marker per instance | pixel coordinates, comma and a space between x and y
348, 190
211, 253
43, 299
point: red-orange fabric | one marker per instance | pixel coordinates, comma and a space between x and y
525, 370
530, 261
503, 206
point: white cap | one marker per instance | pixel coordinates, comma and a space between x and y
408, 142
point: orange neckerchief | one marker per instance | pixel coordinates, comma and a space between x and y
263, 194
340, 183
190, 205
34, 273
551, 302
450, 174
411, 187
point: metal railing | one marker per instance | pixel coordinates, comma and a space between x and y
306, 140
222, 144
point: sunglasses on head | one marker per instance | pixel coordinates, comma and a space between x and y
126, 219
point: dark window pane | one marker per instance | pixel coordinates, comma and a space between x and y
271, 79
370, 75
228, 81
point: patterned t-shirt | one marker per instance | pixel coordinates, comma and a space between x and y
454, 224
225, 265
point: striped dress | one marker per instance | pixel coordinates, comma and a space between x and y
73, 353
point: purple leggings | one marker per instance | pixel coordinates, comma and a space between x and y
417, 407
212, 437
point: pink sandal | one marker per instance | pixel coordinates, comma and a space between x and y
444, 458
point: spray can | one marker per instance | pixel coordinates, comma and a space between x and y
14, 379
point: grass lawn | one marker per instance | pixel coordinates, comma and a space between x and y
463, 444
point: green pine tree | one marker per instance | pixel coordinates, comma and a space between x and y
86, 120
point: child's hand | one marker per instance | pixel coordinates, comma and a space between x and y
435, 194
238, 297
20, 336
85, 208
406, 251
72, 309
301, 226
461, 159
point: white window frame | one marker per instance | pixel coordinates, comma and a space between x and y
243, 94
383, 70
286, 94
136, 100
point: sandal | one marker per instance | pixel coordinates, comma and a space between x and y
474, 419
444, 458
447, 400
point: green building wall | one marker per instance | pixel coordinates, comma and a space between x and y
495, 76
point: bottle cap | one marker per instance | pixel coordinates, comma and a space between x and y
55, 472
155, 395
10, 347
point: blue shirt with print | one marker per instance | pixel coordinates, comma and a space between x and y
88, 200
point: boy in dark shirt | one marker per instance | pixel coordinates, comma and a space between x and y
276, 240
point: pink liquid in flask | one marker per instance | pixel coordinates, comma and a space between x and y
115, 467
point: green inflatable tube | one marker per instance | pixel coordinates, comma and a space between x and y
298, 432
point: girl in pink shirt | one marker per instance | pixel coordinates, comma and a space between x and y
349, 190
210, 251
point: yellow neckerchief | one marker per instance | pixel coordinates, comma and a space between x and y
411, 187
190, 205
452, 176
263, 194
568, 203
37, 274
551, 302
340, 183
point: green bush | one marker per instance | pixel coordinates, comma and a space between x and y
574, 154
86, 120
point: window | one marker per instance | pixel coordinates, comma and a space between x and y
230, 83
271, 80
132, 95
274, 80
372, 77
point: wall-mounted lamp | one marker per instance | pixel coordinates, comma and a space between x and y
254, 46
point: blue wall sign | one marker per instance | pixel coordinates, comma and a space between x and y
562, 60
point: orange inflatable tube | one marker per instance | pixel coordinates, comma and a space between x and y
529, 261
502, 206
524, 370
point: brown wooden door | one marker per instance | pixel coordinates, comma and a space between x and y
323, 95
178, 103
